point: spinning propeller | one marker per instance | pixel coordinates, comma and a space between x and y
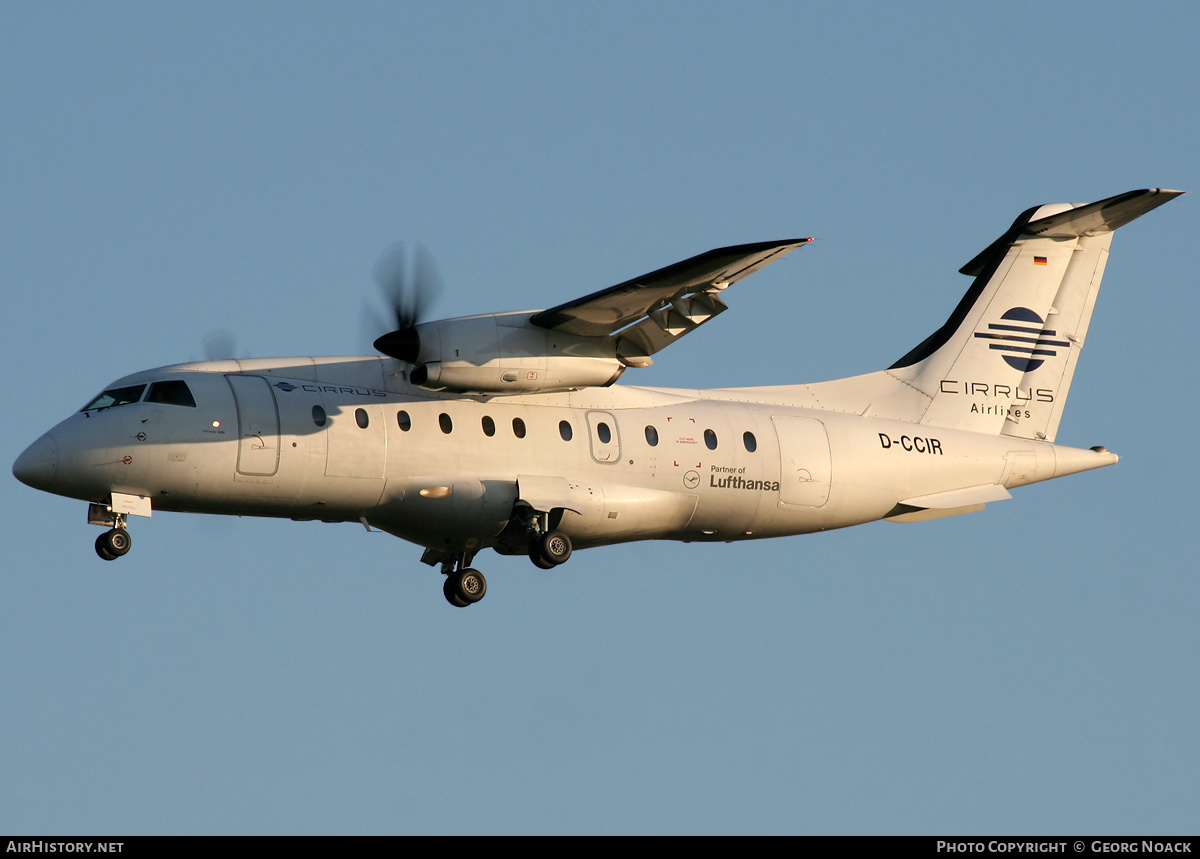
220, 345
409, 290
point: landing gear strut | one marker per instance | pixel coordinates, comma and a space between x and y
463, 585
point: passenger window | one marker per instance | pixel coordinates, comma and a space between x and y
116, 397
750, 442
564, 429
445, 423
489, 426
403, 420
319, 416
651, 436
604, 433
360, 418
710, 439
173, 393
518, 428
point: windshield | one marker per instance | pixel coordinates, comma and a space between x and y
116, 397
174, 393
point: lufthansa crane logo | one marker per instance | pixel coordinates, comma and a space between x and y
1022, 339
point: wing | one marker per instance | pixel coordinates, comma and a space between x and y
652, 311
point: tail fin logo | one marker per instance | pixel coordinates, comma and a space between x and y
1022, 339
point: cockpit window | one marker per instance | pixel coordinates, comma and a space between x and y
116, 397
173, 393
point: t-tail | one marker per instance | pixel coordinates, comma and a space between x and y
1004, 360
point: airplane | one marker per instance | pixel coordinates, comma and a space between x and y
506, 431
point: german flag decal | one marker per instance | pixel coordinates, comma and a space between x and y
1039, 260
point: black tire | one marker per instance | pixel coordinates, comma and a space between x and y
535, 555
118, 541
451, 594
102, 548
555, 547
470, 585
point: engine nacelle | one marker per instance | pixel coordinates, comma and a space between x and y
505, 353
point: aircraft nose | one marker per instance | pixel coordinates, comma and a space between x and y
37, 465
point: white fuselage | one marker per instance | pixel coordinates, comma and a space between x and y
349, 439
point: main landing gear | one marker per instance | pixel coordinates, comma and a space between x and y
529, 533
550, 549
464, 585
532, 530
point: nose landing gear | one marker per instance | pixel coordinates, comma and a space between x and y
113, 543
116, 541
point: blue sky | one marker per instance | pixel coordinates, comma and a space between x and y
171, 170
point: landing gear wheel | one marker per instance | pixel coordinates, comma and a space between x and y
470, 585
102, 548
554, 548
119, 541
464, 587
451, 593
535, 555
113, 543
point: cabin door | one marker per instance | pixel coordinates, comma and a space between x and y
805, 467
258, 425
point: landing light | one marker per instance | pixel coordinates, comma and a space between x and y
216, 423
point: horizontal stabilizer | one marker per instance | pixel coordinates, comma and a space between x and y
959, 497
902, 513
1074, 222
1100, 217
955, 502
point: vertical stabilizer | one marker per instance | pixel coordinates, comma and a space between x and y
1004, 360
